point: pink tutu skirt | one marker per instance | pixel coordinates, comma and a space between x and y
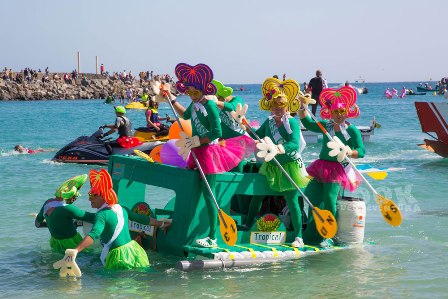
224, 156
333, 172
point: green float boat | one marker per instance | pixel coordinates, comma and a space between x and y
268, 240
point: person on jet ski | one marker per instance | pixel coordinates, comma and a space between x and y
124, 127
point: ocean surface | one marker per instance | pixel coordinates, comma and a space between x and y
405, 261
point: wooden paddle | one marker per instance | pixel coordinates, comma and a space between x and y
326, 224
227, 225
388, 208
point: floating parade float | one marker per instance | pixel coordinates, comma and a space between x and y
245, 239
267, 240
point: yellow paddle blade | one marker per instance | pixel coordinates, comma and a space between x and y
227, 226
326, 224
389, 210
379, 175
143, 155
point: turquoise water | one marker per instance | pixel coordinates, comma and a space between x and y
406, 261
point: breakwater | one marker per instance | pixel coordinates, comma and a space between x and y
55, 87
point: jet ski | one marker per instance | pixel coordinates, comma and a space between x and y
95, 150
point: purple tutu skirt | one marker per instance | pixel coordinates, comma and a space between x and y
224, 156
333, 172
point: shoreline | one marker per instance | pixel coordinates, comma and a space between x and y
54, 87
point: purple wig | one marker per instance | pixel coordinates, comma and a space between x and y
199, 76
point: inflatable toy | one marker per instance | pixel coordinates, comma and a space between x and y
169, 154
155, 153
175, 130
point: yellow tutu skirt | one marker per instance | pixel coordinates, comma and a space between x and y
128, 256
60, 245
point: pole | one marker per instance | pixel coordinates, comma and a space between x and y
79, 62
96, 65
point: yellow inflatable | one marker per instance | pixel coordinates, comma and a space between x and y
135, 105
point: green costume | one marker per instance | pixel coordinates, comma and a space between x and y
329, 175
123, 253
206, 123
60, 223
289, 136
230, 127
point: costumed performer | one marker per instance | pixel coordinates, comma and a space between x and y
280, 97
328, 173
124, 126
213, 156
111, 226
227, 104
58, 214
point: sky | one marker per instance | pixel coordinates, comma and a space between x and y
243, 41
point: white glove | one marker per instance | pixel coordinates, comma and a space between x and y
161, 91
338, 149
68, 264
268, 150
186, 143
306, 99
239, 113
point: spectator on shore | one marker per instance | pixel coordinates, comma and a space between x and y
84, 81
102, 69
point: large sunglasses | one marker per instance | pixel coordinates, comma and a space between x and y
278, 104
93, 195
193, 93
339, 111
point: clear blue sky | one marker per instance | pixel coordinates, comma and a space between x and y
243, 41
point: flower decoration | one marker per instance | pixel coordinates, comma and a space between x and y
142, 209
268, 223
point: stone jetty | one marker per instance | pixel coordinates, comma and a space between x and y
56, 88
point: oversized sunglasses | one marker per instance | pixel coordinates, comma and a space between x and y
193, 93
92, 195
279, 104
339, 111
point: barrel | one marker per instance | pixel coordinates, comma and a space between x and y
351, 213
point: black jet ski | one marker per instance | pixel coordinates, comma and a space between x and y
95, 150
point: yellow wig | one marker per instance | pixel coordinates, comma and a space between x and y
273, 88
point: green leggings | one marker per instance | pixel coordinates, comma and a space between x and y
323, 196
210, 204
294, 204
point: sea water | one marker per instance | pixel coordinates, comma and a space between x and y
405, 261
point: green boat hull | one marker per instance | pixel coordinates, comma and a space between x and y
133, 175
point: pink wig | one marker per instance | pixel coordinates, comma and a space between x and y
344, 97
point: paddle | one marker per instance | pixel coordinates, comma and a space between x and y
388, 208
375, 173
326, 224
227, 225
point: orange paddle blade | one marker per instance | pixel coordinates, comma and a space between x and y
326, 224
143, 155
227, 226
389, 210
